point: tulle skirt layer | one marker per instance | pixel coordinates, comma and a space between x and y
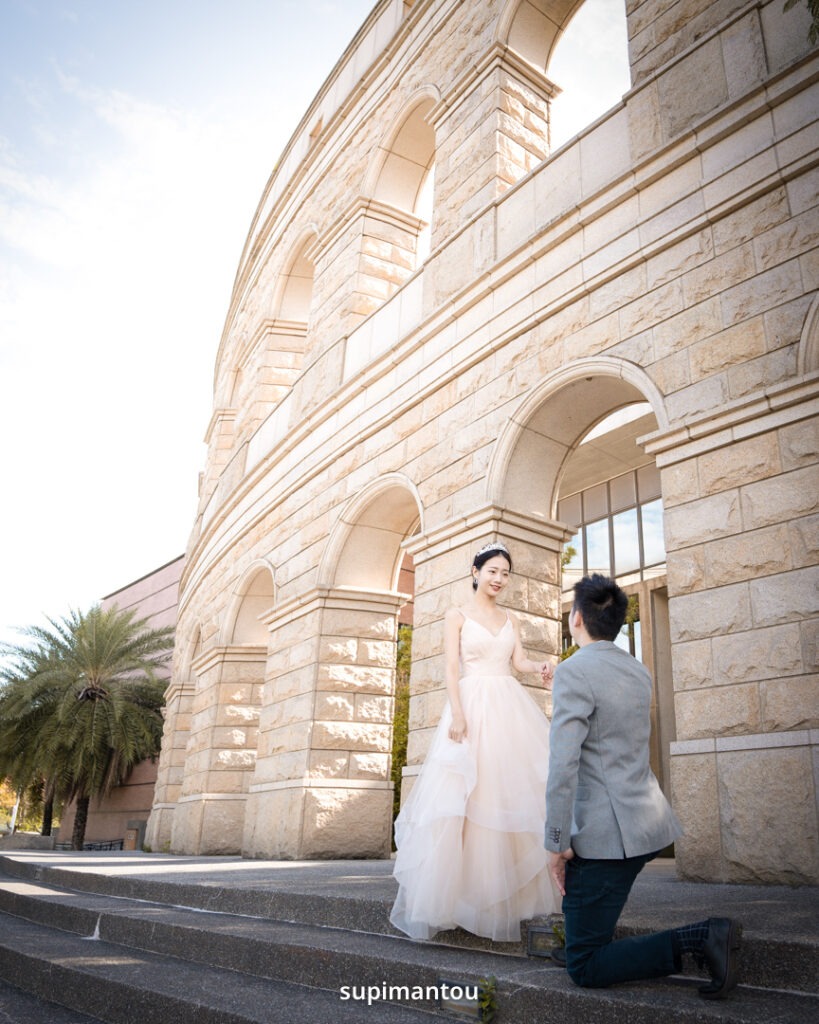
470, 836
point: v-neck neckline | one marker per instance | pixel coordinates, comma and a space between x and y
486, 629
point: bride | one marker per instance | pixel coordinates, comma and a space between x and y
470, 836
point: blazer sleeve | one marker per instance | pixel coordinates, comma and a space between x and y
572, 707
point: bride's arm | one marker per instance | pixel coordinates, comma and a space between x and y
521, 663
453, 621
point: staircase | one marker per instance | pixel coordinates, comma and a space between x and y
80, 944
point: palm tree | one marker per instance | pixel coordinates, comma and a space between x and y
81, 704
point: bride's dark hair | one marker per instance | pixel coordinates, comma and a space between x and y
483, 556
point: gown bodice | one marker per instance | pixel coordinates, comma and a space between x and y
484, 653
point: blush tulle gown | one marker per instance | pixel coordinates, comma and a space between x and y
470, 836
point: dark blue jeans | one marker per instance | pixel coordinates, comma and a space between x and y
596, 892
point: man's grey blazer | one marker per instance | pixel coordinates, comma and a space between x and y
602, 798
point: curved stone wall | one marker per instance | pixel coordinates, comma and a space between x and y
430, 314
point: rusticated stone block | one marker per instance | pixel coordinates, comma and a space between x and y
274, 824
334, 707
350, 736
346, 824
373, 709
799, 444
369, 766
785, 598
328, 764
694, 797
693, 87
747, 556
781, 498
759, 654
686, 570
426, 708
692, 663
718, 711
727, 348
365, 678
790, 703
710, 613
768, 811
680, 482
741, 463
339, 650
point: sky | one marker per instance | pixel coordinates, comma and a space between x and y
136, 137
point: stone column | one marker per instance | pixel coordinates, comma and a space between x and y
491, 129
443, 559
269, 369
221, 751
171, 767
322, 782
741, 496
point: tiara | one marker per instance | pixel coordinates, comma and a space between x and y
493, 546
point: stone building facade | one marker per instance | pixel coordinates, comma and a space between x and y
606, 356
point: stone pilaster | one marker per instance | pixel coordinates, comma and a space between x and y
171, 767
740, 493
322, 782
442, 559
491, 129
221, 750
269, 368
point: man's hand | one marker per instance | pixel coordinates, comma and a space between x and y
557, 867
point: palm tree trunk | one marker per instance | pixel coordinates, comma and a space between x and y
48, 817
80, 821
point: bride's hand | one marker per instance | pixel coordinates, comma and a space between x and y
547, 674
457, 730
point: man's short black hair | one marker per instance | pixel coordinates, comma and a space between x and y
602, 605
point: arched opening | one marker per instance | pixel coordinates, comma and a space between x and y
253, 597
296, 286
274, 356
572, 454
566, 38
368, 560
595, 37
404, 171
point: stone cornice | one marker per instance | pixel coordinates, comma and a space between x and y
334, 598
497, 56
233, 653
217, 417
364, 207
177, 689
521, 527
283, 328
754, 414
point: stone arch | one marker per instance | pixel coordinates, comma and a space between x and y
399, 187
274, 355
532, 28
552, 421
253, 596
294, 288
808, 358
365, 550
405, 158
190, 651
567, 455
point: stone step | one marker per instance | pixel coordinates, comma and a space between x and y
132, 931
780, 950
18, 1007
122, 985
